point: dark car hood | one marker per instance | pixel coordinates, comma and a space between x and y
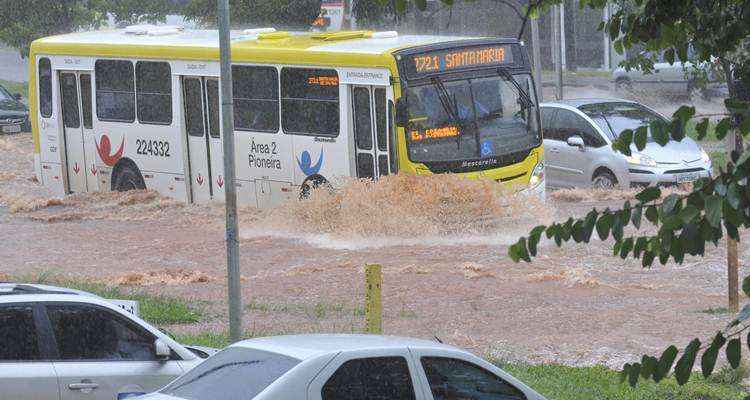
11, 106
12, 109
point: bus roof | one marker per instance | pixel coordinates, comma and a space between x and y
357, 48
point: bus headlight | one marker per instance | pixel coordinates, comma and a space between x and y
537, 176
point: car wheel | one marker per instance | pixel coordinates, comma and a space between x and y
604, 180
128, 178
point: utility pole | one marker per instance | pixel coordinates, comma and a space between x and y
230, 190
557, 51
536, 54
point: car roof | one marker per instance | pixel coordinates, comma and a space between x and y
577, 103
36, 289
305, 347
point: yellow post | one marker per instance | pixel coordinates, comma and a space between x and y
373, 302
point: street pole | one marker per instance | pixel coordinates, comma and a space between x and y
536, 53
557, 51
230, 190
734, 143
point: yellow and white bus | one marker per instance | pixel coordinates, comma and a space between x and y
139, 108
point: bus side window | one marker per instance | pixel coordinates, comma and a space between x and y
256, 98
115, 90
45, 87
154, 92
310, 101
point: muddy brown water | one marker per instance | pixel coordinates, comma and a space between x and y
576, 305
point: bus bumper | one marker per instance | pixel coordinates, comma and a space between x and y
539, 191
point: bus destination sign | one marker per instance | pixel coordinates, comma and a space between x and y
458, 59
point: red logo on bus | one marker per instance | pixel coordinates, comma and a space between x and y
104, 148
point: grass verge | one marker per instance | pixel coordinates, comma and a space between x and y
156, 309
558, 382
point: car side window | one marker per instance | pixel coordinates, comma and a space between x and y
84, 332
568, 124
450, 378
18, 333
370, 379
548, 116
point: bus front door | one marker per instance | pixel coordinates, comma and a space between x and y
202, 127
371, 131
75, 130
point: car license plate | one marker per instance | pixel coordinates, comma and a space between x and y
11, 128
690, 177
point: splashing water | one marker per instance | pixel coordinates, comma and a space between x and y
405, 210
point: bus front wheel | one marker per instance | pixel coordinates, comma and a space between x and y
313, 182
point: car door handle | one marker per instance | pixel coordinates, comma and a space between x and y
83, 386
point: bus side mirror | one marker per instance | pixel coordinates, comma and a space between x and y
402, 113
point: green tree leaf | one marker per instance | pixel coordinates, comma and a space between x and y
734, 350
708, 360
702, 128
746, 286
684, 366
722, 127
665, 363
713, 210
641, 137
633, 373
651, 193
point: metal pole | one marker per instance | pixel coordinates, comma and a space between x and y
536, 53
563, 45
607, 64
230, 190
557, 50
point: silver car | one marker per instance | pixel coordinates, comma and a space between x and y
577, 142
343, 367
64, 344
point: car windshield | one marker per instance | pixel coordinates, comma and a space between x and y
613, 118
470, 119
4, 95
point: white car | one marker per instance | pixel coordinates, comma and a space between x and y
65, 344
578, 136
343, 367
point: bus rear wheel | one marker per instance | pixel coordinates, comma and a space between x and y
313, 182
127, 177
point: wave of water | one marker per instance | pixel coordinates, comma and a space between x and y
408, 210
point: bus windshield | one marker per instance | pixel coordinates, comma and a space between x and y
470, 119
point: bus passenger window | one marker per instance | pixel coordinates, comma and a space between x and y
115, 90
45, 87
154, 90
212, 87
310, 101
256, 98
380, 117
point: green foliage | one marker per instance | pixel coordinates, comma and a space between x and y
22, 22
292, 14
598, 383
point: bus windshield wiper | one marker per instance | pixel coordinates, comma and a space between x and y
525, 98
449, 106
445, 100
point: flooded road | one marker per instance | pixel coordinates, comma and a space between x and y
445, 274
